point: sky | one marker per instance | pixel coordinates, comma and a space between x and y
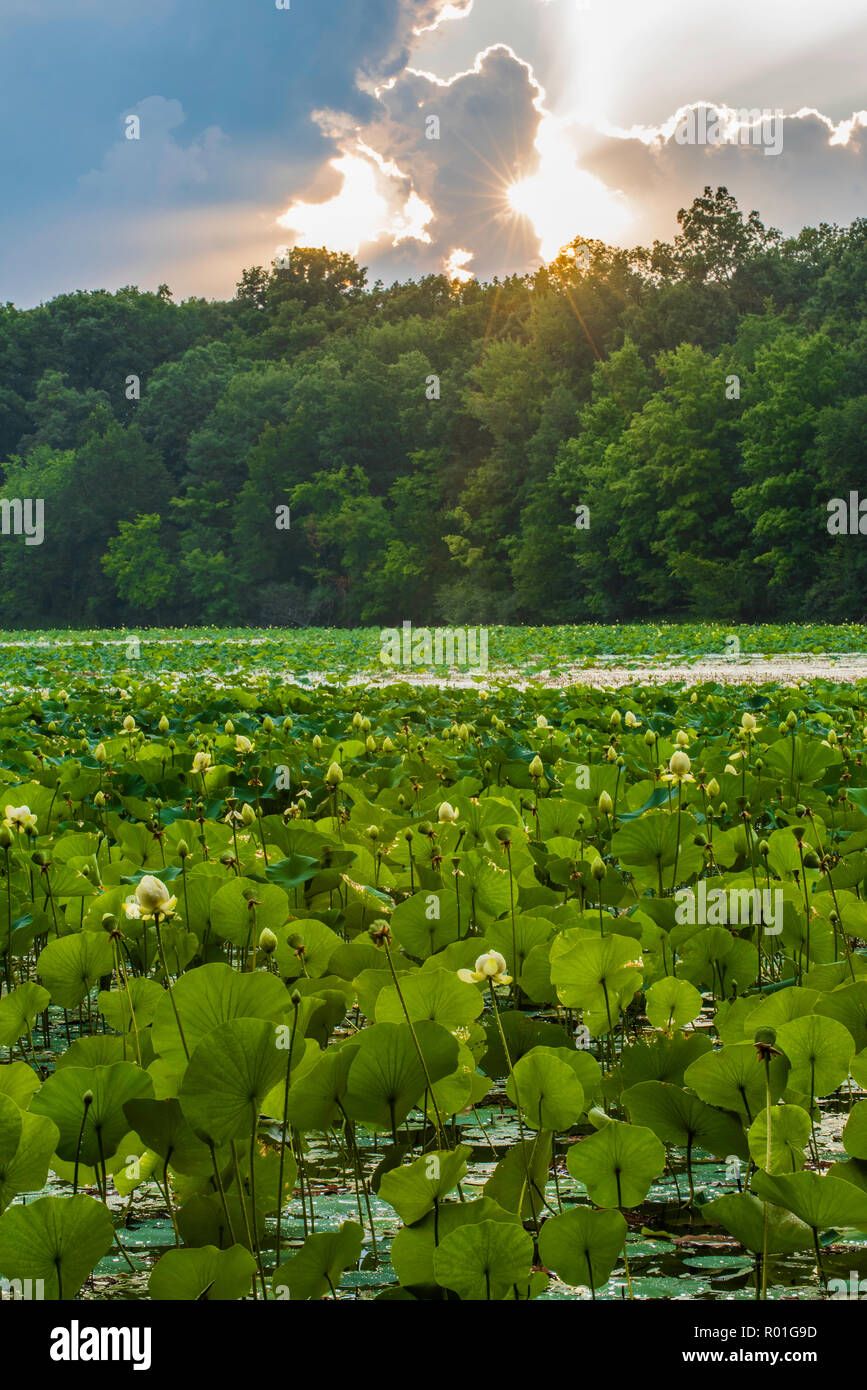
465, 136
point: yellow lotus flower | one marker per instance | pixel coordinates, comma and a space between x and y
446, 814
129, 725
678, 768
490, 968
242, 744
201, 762
748, 722
19, 818
152, 897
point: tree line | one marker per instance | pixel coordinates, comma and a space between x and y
319, 450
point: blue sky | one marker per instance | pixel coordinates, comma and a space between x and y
556, 118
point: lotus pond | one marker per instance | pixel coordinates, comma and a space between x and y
432, 994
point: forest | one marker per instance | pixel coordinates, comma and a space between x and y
622, 436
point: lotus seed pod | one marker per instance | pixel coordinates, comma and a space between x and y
811, 859
109, 921
87, 1099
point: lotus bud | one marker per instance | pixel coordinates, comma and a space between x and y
370, 743
791, 719
682, 739
317, 742
228, 728
5, 837
366, 725
87, 1099
597, 869
447, 814
649, 738
387, 745
128, 724
248, 815
356, 720
748, 722
713, 787
811, 859
605, 805
334, 775
679, 763
287, 725
615, 719
163, 725
723, 808
183, 849
268, 942
99, 800
537, 768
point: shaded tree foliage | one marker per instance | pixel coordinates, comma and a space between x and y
704, 398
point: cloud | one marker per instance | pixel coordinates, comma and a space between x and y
432, 171
156, 165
